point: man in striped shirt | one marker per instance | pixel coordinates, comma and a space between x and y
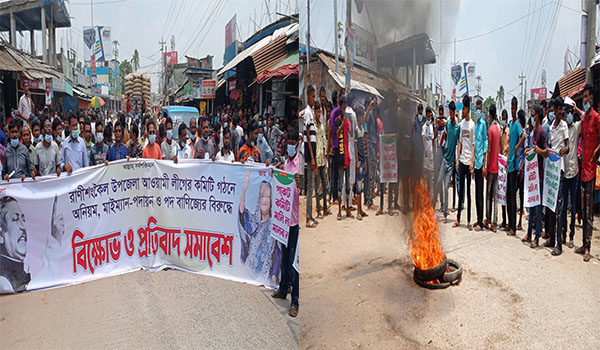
310, 153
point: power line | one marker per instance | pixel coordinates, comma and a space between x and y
211, 25
496, 29
98, 3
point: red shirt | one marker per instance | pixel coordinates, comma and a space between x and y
346, 134
494, 141
590, 129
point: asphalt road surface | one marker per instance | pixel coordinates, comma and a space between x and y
157, 310
358, 293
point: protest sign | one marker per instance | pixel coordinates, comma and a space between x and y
501, 194
551, 180
297, 258
387, 159
199, 216
282, 196
532, 180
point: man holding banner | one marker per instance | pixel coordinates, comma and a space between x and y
571, 169
559, 146
590, 131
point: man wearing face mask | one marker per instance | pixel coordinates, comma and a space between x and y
481, 146
169, 148
193, 137
465, 161
205, 147
17, 163
36, 132
152, 149
263, 146
26, 140
570, 170
249, 151
47, 155
73, 154
590, 131
100, 148
118, 150
183, 149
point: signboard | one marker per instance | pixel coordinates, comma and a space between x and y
532, 180
387, 159
130, 215
48, 93
539, 93
208, 88
551, 180
231, 84
169, 58
365, 49
32, 83
97, 41
283, 196
463, 77
230, 31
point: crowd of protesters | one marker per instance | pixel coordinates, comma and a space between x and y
40, 144
342, 148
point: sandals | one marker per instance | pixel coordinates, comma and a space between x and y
378, 212
278, 295
534, 245
526, 239
310, 223
293, 312
339, 216
456, 224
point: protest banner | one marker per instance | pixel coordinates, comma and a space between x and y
551, 180
199, 216
388, 161
532, 180
282, 196
501, 194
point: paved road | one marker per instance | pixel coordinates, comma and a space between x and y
167, 309
357, 291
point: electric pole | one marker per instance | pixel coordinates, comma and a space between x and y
335, 37
349, 56
522, 77
162, 68
591, 40
308, 41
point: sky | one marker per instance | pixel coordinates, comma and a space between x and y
198, 26
505, 45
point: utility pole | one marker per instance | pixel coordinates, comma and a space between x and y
162, 68
591, 39
522, 77
479, 85
335, 37
348, 49
92, 7
308, 40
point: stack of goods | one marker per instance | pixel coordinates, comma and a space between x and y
137, 85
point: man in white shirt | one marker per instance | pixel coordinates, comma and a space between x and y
570, 169
465, 161
559, 142
310, 153
26, 105
184, 151
351, 115
428, 135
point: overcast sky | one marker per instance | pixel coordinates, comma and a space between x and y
500, 56
198, 26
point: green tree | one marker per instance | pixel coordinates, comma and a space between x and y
124, 69
135, 60
500, 98
486, 105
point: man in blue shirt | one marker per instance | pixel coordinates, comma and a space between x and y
74, 152
481, 146
118, 150
448, 168
513, 169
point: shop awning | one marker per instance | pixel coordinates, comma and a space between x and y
82, 95
14, 60
572, 83
249, 52
354, 85
280, 72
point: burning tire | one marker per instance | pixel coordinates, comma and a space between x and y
431, 274
453, 273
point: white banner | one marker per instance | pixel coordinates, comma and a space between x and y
199, 216
282, 197
532, 180
388, 162
551, 180
501, 194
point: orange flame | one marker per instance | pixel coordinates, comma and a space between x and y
425, 247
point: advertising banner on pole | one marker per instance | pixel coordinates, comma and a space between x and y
199, 216
551, 180
532, 180
387, 159
501, 194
